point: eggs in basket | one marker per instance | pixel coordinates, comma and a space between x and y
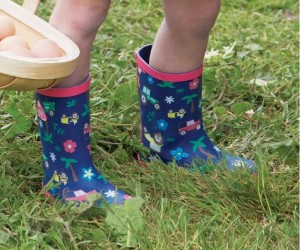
33, 54
17, 45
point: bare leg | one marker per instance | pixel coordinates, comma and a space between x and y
80, 21
182, 38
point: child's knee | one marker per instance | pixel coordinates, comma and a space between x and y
90, 14
191, 17
83, 16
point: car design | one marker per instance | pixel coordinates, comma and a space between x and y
180, 113
69, 119
146, 97
189, 126
49, 107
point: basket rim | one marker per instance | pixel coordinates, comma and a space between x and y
37, 68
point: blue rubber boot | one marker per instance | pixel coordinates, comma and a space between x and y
64, 126
171, 119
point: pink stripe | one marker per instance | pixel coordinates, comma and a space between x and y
67, 92
170, 77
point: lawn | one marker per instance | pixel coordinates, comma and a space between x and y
250, 102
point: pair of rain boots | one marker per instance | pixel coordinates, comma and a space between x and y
171, 127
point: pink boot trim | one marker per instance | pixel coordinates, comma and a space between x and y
67, 92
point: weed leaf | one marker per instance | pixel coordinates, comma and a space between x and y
126, 221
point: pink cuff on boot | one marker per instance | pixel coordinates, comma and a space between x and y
67, 92
170, 77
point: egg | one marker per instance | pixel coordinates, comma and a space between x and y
11, 41
7, 27
20, 51
45, 48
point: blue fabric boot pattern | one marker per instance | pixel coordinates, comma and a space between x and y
171, 119
64, 126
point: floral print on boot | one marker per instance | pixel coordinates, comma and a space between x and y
64, 126
171, 118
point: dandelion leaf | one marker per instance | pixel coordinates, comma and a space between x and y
126, 221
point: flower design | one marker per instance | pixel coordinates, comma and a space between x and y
150, 79
70, 146
52, 156
110, 193
194, 84
88, 174
169, 99
179, 154
162, 124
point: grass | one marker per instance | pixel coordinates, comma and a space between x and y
255, 67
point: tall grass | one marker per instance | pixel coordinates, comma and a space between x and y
250, 107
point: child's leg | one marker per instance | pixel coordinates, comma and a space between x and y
80, 21
182, 38
64, 114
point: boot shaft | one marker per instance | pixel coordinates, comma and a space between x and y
170, 105
64, 126
171, 119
